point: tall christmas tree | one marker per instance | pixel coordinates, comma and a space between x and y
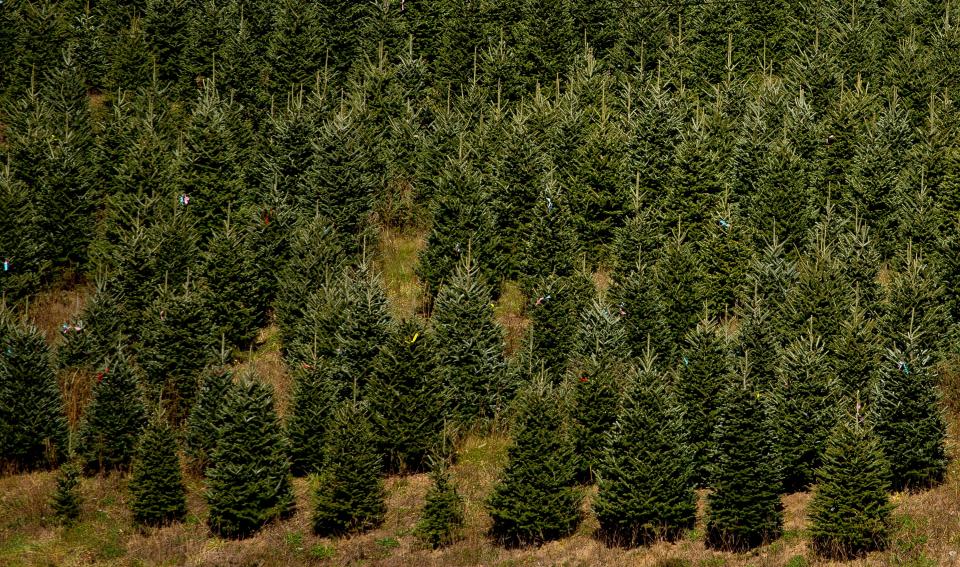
156, 483
350, 496
33, 426
536, 498
366, 325
202, 431
645, 475
315, 395
248, 481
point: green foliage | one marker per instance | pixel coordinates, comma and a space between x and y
350, 496
678, 277
22, 244
552, 245
744, 510
470, 345
906, 416
553, 308
315, 395
443, 510
202, 430
641, 310
850, 511
33, 427
156, 483
114, 418
234, 301
66, 501
856, 354
366, 325
915, 305
248, 480
90, 338
645, 475
536, 498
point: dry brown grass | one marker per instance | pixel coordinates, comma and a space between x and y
397, 262
49, 309
510, 314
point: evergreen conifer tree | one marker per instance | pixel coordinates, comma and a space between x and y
554, 307
645, 476
202, 430
33, 427
156, 483
366, 325
856, 354
758, 339
470, 345
350, 496
850, 511
552, 245
915, 305
315, 396
905, 413
114, 418
443, 510
22, 243
234, 299
725, 255
90, 338
744, 510
641, 309
67, 499
678, 278
248, 481
536, 498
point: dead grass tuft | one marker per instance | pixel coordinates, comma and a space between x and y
399, 251
49, 309
510, 314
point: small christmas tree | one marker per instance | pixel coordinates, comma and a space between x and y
856, 353
315, 395
536, 498
350, 496
156, 483
701, 377
365, 326
678, 277
202, 431
906, 416
850, 511
552, 244
67, 499
645, 475
92, 337
114, 418
802, 405
916, 305
744, 510
406, 398
470, 344
33, 426
554, 308
248, 481
443, 510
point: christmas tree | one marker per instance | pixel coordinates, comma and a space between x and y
95, 333
202, 430
315, 395
850, 511
744, 510
645, 476
366, 324
248, 480
536, 498
443, 509
350, 496
114, 418
156, 483
33, 426
67, 499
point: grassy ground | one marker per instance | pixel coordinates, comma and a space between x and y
927, 525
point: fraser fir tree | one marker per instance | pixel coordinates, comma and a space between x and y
156, 483
552, 245
725, 254
114, 418
702, 374
365, 326
406, 398
554, 307
248, 481
470, 344
443, 509
906, 416
641, 309
678, 278
801, 405
856, 354
350, 496
759, 340
820, 295
22, 243
536, 498
66, 501
645, 475
90, 338
33, 426
744, 510
849, 514
202, 431
233, 299
295, 51
915, 305
315, 395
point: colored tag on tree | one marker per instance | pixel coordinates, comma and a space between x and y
6, 265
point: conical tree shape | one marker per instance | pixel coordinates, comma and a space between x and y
820, 294
66, 500
33, 426
552, 246
470, 344
314, 335
759, 340
595, 376
536, 498
248, 481
641, 309
22, 244
849, 514
315, 395
915, 305
645, 476
350, 496
744, 510
906, 415
114, 419
366, 325
802, 409
406, 398
678, 278
443, 510
701, 377
553, 308
156, 483
202, 431
856, 354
